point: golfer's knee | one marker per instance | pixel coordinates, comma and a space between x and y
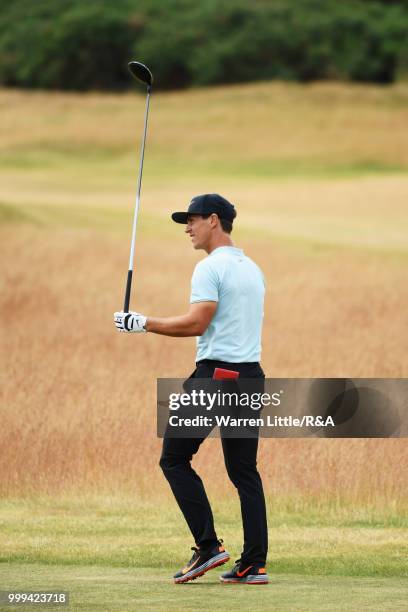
235, 478
164, 463
170, 464
242, 473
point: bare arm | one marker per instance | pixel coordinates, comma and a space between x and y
194, 323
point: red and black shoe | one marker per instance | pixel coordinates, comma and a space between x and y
245, 574
201, 562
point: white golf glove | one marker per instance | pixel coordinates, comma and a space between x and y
130, 322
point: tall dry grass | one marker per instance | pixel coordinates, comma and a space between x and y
78, 399
250, 123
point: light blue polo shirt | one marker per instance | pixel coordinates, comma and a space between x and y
232, 279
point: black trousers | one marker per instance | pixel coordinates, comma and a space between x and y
240, 462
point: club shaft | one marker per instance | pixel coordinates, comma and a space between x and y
136, 213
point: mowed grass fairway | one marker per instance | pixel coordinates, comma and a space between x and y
124, 589
120, 553
319, 175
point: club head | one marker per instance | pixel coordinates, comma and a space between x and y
141, 73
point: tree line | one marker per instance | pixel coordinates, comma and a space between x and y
77, 45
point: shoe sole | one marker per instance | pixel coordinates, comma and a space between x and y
245, 580
205, 567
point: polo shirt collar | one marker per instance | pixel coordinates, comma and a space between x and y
227, 248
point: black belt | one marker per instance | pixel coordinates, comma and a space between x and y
217, 361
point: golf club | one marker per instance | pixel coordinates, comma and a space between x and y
143, 74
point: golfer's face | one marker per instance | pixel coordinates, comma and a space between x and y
199, 230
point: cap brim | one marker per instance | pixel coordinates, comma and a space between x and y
180, 217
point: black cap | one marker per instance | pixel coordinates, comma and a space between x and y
206, 205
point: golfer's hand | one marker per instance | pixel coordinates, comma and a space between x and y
130, 322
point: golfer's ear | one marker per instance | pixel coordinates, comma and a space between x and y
214, 220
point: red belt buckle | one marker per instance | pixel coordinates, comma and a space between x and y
221, 374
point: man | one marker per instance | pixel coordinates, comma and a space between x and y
226, 312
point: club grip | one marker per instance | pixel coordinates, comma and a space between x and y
128, 289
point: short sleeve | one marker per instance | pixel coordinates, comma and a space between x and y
204, 284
